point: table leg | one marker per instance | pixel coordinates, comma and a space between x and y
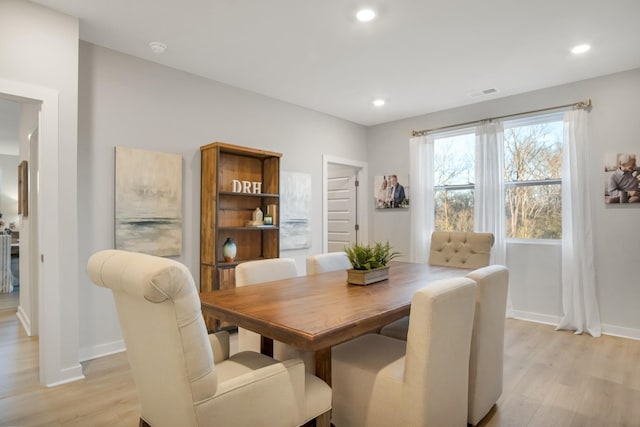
266, 346
324, 420
323, 365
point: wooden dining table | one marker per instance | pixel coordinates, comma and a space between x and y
314, 313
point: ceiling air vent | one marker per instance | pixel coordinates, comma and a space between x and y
483, 92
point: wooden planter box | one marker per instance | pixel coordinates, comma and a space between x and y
365, 277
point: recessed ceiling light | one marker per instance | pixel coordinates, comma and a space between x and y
158, 47
365, 15
582, 48
378, 102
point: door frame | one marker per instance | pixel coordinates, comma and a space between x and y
53, 369
363, 190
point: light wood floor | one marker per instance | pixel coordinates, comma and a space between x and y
9, 301
550, 379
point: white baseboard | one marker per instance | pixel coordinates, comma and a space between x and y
24, 320
613, 330
547, 319
621, 331
101, 350
69, 375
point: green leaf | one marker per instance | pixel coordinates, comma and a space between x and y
368, 258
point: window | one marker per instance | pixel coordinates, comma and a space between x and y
533, 161
532, 172
454, 172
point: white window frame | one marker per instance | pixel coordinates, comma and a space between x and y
529, 121
519, 122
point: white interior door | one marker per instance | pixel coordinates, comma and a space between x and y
342, 207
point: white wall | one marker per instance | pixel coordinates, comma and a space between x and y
9, 188
535, 269
39, 55
130, 102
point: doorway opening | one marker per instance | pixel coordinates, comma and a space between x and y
9, 211
58, 343
18, 228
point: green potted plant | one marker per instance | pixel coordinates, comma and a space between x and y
369, 263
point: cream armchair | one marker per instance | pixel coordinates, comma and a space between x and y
383, 381
185, 377
268, 270
324, 263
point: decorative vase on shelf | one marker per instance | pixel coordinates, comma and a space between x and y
229, 250
258, 217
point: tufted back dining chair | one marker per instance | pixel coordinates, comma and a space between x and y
460, 249
450, 249
269, 270
185, 377
324, 263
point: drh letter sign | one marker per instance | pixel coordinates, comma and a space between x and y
247, 187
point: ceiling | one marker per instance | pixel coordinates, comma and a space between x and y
419, 55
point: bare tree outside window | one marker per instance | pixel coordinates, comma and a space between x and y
533, 161
454, 159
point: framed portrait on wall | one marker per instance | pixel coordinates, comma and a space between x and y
391, 191
621, 179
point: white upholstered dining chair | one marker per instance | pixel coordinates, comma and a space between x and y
185, 377
487, 342
268, 270
382, 381
453, 249
324, 263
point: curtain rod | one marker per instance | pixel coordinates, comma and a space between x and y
586, 105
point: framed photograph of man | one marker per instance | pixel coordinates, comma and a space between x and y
391, 191
622, 178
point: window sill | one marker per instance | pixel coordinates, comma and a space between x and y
537, 242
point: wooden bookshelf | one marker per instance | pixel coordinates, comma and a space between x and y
225, 212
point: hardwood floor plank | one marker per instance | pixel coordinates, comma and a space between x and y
631, 360
9, 301
559, 405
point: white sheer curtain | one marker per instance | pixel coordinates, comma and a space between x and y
488, 212
579, 300
488, 216
422, 196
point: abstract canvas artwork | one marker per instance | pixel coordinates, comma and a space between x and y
295, 204
148, 202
